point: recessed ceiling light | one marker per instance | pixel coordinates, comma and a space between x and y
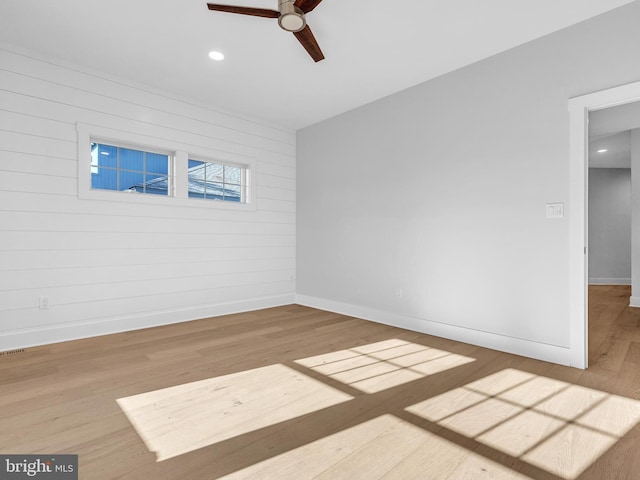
217, 56
602, 150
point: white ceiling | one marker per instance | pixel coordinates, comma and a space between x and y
373, 48
609, 129
618, 151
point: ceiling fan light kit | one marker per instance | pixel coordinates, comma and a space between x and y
291, 17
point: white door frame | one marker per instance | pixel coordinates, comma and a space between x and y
579, 108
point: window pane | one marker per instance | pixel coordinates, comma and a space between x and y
157, 163
197, 171
157, 184
215, 172
215, 190
131, 181
104, 155
104, 178
232, 193
232, 175
196, 179
131, 159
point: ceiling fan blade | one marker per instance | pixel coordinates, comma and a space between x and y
308, 41
256, 12
307, 5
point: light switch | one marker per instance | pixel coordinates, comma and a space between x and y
555, 210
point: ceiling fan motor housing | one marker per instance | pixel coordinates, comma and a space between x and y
291, 17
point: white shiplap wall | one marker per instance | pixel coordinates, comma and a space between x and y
111, 266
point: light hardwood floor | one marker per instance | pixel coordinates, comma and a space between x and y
297, 393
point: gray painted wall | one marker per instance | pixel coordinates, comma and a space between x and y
610, 226
440, 191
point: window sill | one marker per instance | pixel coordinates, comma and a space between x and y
143, 198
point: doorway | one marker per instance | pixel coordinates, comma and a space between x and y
611, 322
579, 109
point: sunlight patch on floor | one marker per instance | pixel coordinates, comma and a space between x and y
383, 448
382, 365
554, 425
176, 420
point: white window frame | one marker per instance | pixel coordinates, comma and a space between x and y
179, 155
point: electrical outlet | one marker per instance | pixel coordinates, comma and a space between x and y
43, 303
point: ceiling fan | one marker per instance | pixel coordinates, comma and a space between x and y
291, 17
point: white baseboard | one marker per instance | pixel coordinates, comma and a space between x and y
540, 351
44, 335
609, 281
634, 301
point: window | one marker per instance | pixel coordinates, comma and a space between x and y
216, 181
125, 166
126, 169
